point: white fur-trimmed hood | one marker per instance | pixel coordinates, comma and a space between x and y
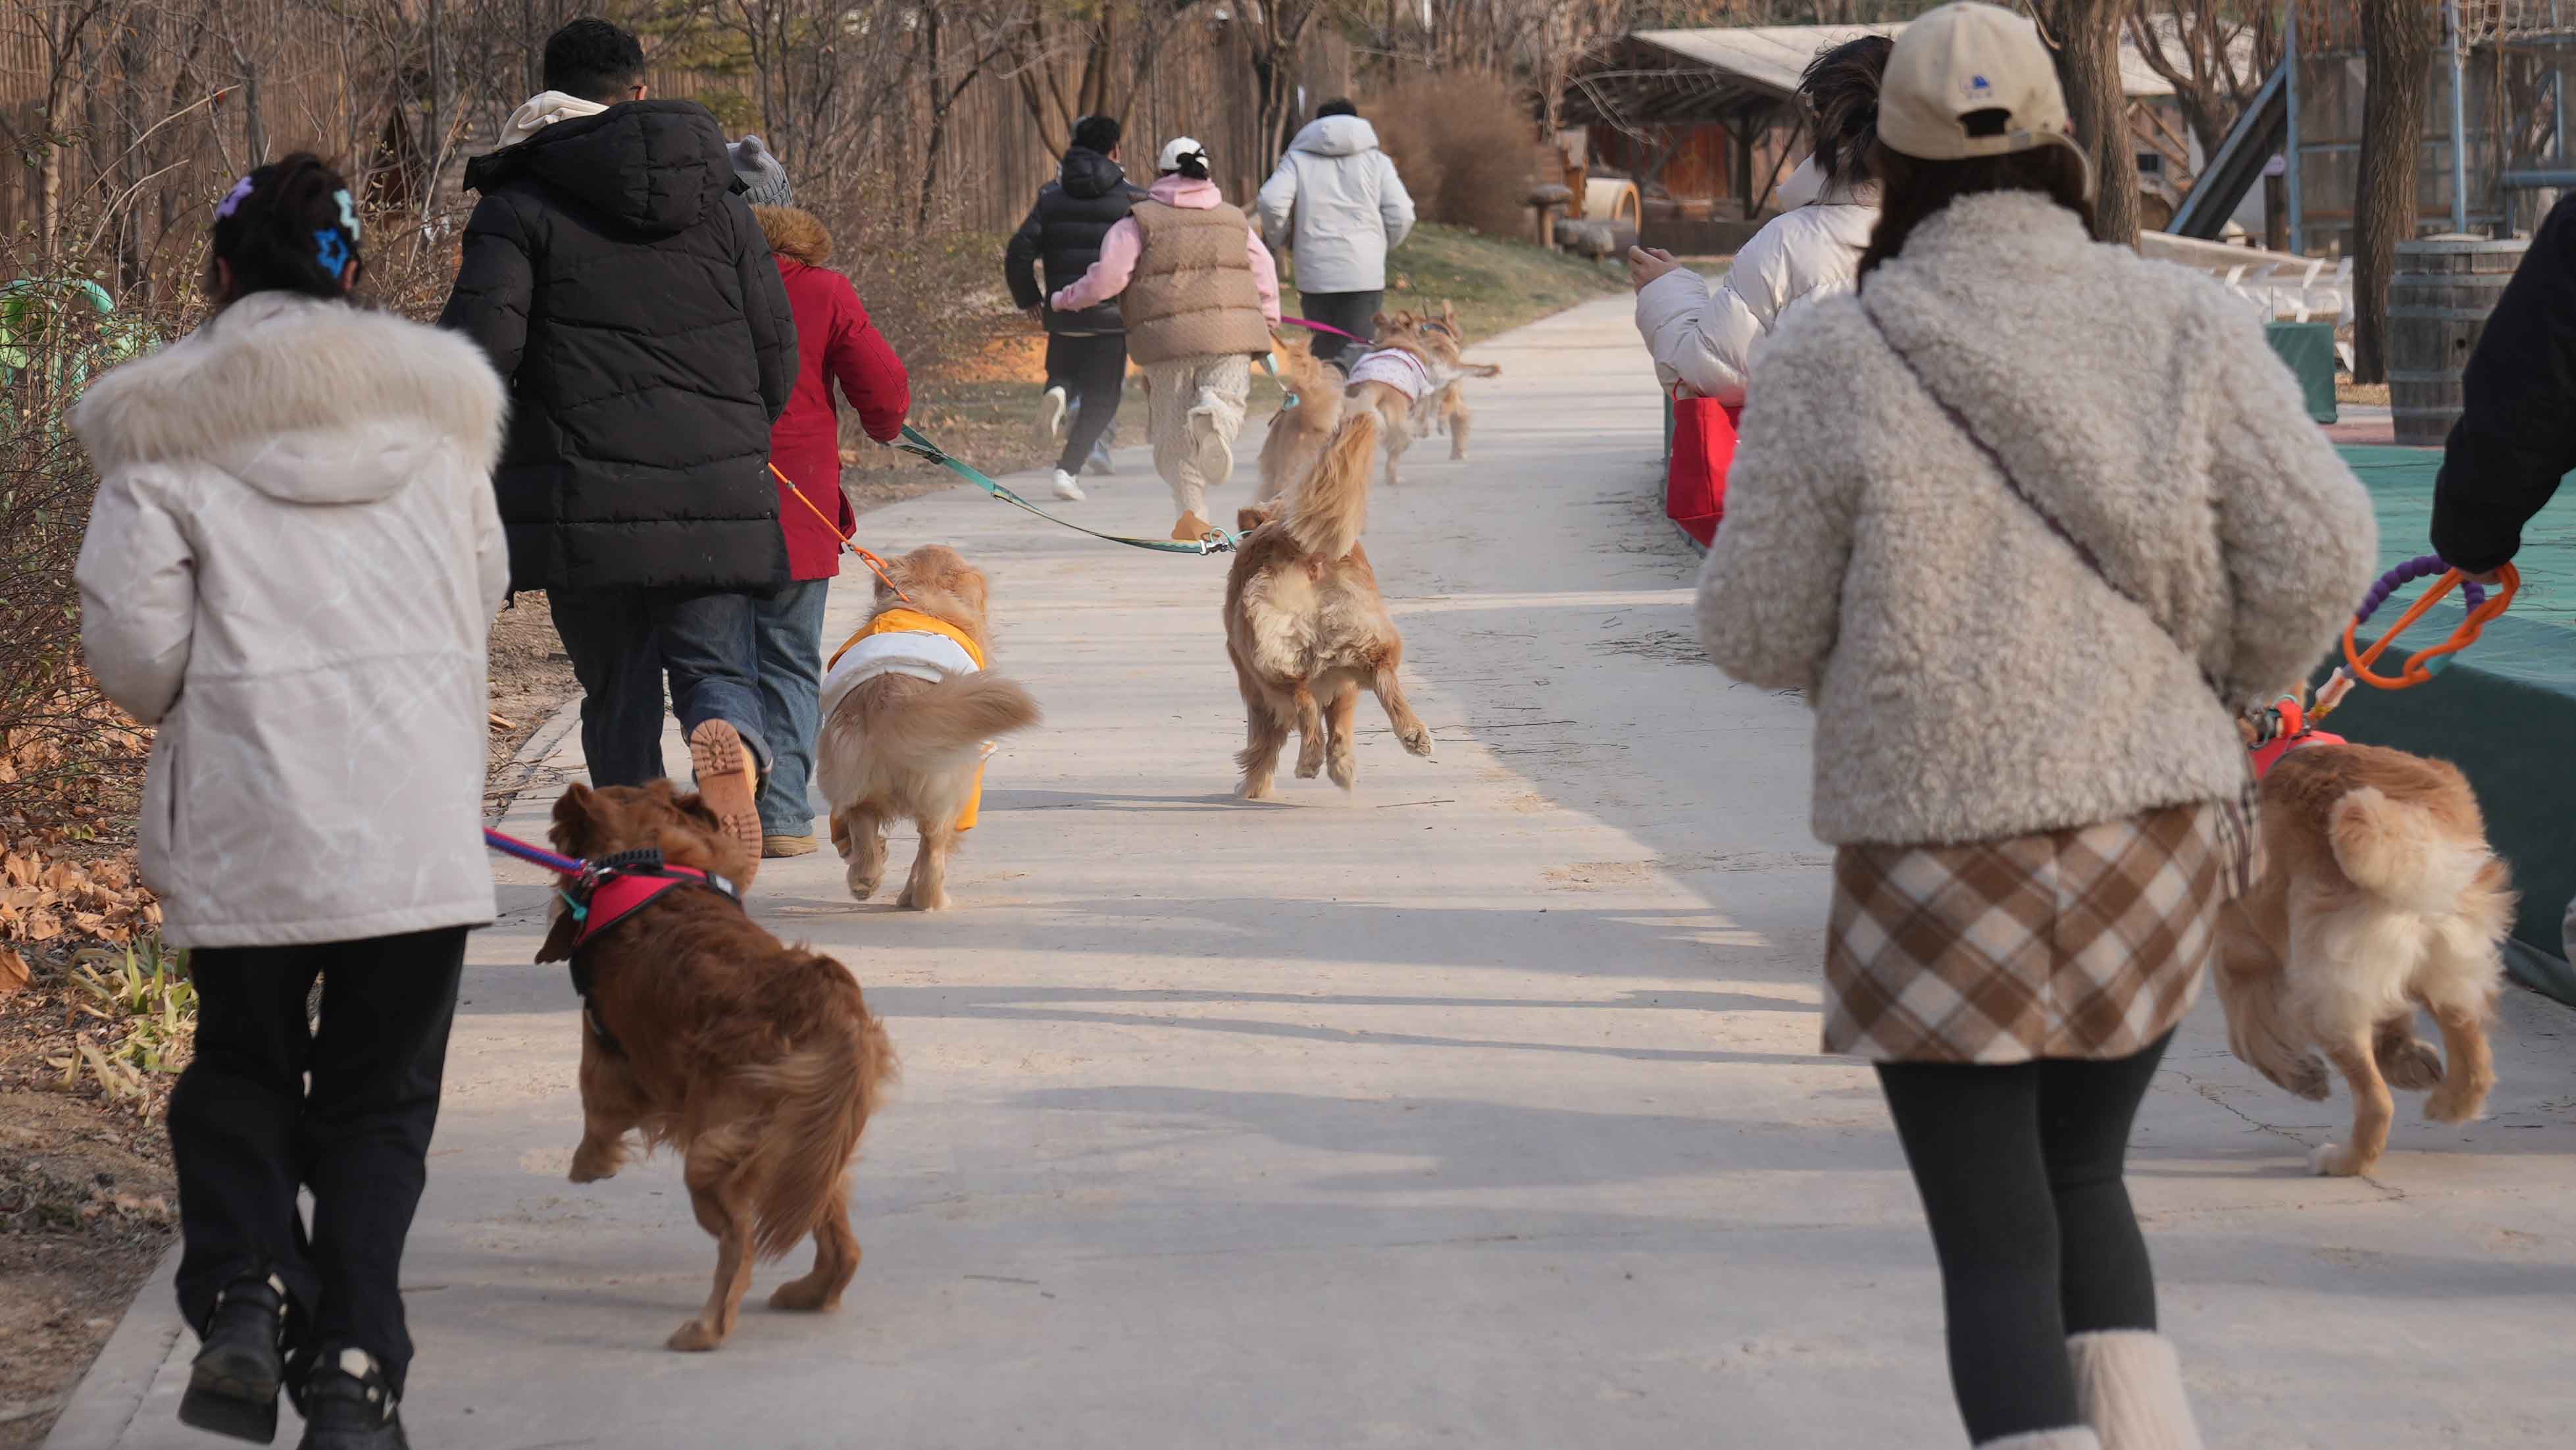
305, 400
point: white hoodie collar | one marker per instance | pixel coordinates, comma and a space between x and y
542, 110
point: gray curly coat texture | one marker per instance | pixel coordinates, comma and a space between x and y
1972, 678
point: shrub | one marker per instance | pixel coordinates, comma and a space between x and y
1463, 141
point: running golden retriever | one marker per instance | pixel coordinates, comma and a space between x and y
1304, 623
2379, 895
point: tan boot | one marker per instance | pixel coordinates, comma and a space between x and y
2073, 1437
1191, 528
729, 782
777, 847
2130, 1385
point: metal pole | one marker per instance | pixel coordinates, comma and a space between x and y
2290, 137
2459, 123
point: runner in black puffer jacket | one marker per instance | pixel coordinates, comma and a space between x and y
1086, 350
630, 299
618, 281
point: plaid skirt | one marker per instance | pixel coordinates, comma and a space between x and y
2085, 943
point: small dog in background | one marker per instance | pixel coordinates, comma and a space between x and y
1447, 408
1298, 434
1305, 625
759, 1061
908, 713
2378, 895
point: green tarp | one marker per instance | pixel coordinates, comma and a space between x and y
2308, 348
2504, 711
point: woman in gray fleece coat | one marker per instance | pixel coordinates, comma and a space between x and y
2028, 519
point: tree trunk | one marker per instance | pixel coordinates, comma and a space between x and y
2398, 38
2086, 34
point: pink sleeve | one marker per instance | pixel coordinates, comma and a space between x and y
1265, 276
1108, 276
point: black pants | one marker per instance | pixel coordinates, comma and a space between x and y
2020, 1171
247, 1128
623, 641
1094, 370
1352, 312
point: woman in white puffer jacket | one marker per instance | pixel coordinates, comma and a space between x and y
1705, 343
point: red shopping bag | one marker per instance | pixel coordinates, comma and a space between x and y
1695, 479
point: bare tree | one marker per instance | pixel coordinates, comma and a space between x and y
2086, 37
1274, 41
2397, 42
2214, 53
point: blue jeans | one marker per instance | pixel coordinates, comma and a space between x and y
789, 629
622, 642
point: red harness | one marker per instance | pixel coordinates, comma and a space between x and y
612, 889
2283, 728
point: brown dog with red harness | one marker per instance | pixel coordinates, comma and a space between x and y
759, 1061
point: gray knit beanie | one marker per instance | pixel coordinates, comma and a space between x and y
764, 180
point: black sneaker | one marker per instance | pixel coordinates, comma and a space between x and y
232, 1389
347, 1405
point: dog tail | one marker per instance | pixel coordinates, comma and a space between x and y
2400, 853
1332, 507
825, 1092
946, 725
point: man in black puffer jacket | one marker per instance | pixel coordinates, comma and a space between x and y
623, 288
1086, 350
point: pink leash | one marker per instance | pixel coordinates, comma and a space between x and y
1319, 327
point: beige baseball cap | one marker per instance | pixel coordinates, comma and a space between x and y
1970, 60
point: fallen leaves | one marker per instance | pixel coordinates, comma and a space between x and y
43, 900
13, 971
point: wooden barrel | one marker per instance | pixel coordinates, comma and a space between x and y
2440, 291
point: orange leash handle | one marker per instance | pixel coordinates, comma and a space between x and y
872, 561
2423, 664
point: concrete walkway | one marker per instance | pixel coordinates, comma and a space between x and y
1483, 1109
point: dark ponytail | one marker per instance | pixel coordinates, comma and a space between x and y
1194, 165
1840, 91
290, 226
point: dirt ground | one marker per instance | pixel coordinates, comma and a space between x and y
87, 1206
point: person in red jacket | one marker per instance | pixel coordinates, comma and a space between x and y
836, 344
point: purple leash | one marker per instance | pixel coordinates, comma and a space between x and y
534, 855
2422, 566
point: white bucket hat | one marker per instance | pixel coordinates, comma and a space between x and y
1971, 80
1174, 150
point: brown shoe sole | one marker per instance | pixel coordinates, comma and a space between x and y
728, 781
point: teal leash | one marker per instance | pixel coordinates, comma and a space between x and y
1216, 540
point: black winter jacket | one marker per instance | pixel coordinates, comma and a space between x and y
2516, 437
1063, 233
624, 290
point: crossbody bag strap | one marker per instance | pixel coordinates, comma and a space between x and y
2236, 826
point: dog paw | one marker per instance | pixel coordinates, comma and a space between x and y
804, 1297
2328, 1161
2307, 1078
590, 1166
694, 1337
2453, 1103
1418, 740
923, 900
862, 886
2414, 1065
1262, 791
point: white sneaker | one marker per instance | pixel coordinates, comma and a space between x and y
1051, 414
1066, 488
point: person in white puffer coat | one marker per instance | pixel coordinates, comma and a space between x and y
290, 572
1705, 342
1337, 204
